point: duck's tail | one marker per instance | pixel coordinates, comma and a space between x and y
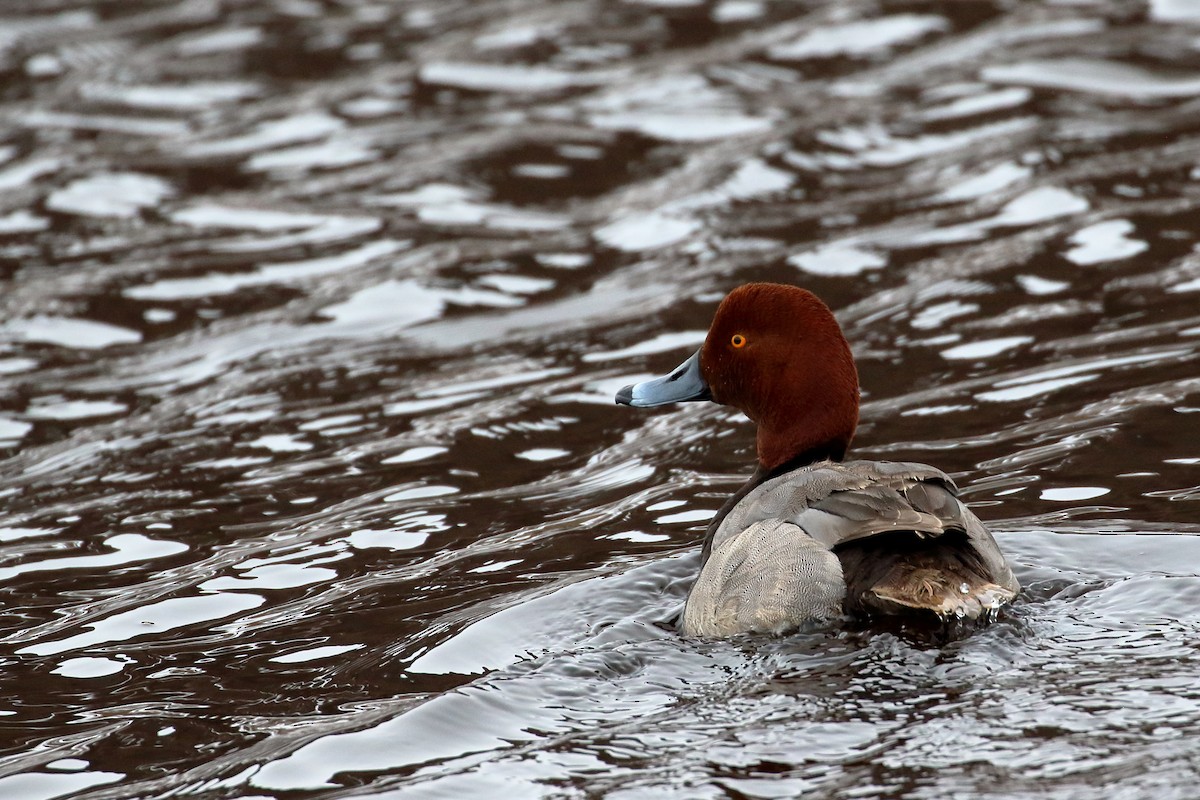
907, 571
934, 590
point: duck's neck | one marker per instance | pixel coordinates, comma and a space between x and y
811, 423
797, 438
825, 452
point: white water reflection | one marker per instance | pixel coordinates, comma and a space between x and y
738, 10
233, 462
985, 348
156, 618
48, 785
550, 704
57, 408
315, 653
542, 454
1192, 285
542, 171
933, 316
675, 108
1024, 391
414, 454
25, 172
662, 343
120, 195
11, 534
980, 102
440, 729
89, 667
495, 566
406, 407
22, 221
1104, 241
340, 152
9, 366
222, 283
442, 204
837, 259
219, 41
127, 548
514, 36
271, 576
44, 65
12, 430
860, 38
1039, 286
212, 215
934, 411
510, 78
570, 261
178, 97
695, 515
18, 25
1073, 493
752, 179
281, 443
515, 284
1040, 205
682, 126
403, 303
420, 492
1094, 75
504, 379
1096, 365
390, 539
646, 231
140, 125
302, 127
1185, 11
875, 146
755, 178
296, 229
989, 182
69, 332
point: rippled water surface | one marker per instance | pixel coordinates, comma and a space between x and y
311, 483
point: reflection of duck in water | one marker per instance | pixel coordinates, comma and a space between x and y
811, 536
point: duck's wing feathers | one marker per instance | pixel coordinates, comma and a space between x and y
852, 508
835, 503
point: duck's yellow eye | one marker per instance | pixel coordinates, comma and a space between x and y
738, 340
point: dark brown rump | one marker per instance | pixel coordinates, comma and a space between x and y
896, 572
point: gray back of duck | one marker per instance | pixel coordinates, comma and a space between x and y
859, 537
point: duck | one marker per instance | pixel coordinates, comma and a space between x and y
812, 537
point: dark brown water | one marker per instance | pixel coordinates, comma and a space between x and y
310, 318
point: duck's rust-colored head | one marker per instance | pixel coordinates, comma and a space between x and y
776, 353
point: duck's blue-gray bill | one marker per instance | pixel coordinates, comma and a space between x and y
684, 383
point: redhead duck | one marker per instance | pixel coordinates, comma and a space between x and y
811, 536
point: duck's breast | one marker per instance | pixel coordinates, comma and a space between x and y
767, 578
